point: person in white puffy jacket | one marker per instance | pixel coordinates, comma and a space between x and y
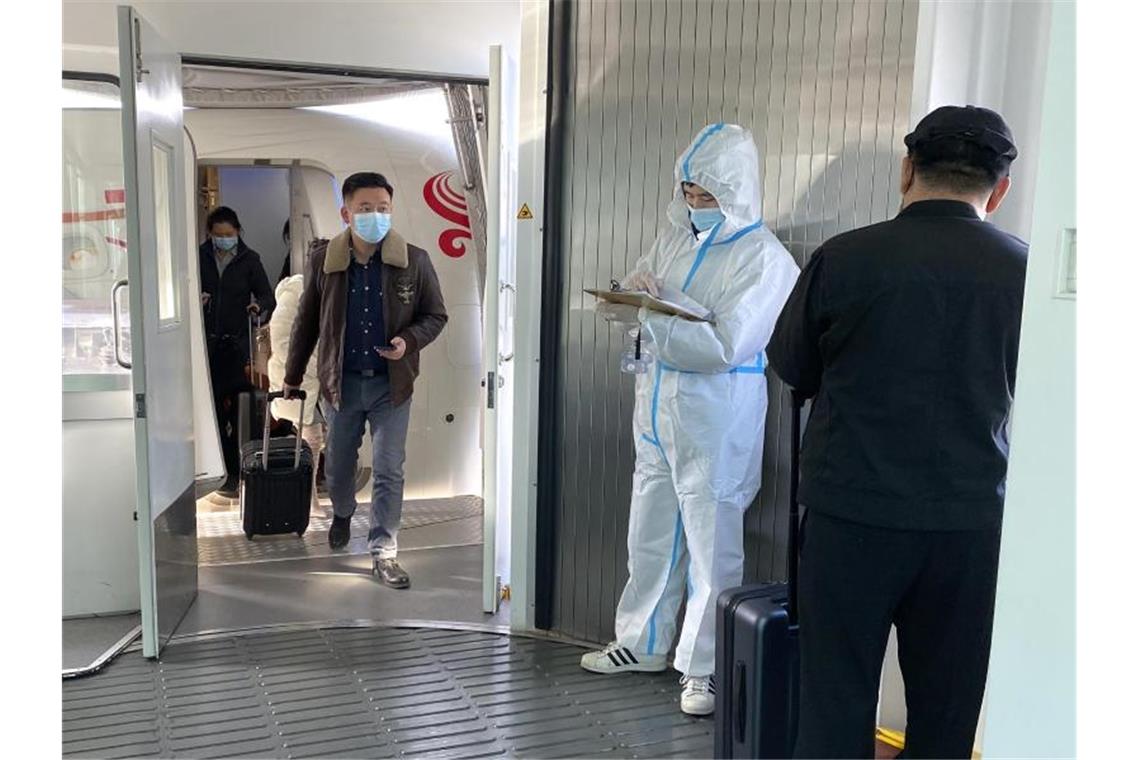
288, 296
699, 411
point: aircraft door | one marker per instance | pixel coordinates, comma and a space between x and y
160, 326
498, 324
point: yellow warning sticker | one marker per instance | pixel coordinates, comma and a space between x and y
525, 212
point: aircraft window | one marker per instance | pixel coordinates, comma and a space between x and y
94, 248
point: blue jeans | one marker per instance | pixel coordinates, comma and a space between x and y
367, 399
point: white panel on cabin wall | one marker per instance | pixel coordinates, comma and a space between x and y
260, 196
988, 53
431, 36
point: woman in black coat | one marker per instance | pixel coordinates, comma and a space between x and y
234, 289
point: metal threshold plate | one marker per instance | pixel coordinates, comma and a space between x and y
374, 692
426, 522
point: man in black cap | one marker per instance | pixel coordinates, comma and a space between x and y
905, 335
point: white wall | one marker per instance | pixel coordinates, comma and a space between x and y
988, 53
209, 464
1032, 681
100, 535
436, 36
260, 196
528, 317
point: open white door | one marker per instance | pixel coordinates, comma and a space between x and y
160, 308
209, 462
498, 325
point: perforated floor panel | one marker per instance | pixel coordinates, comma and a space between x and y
456, 521
371, 692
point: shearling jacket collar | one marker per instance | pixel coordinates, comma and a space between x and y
393, 251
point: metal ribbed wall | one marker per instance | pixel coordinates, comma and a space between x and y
825, 89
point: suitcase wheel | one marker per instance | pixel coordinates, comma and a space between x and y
249, 536
300, 534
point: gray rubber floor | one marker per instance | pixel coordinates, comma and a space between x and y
232, 571
367, 692
424, 523
85, 639
446, 586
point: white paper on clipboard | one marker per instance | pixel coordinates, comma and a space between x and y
643, 299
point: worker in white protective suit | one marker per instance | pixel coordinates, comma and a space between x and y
288, 295
699, 412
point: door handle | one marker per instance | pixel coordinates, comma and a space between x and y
506, 287
116, 322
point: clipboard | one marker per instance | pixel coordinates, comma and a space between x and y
641, 298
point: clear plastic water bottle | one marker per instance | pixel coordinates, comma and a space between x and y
637, 353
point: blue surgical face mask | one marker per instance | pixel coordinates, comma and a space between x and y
705, 218
371, 226
225, 243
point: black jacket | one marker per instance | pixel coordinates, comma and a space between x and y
906, 333
225, 313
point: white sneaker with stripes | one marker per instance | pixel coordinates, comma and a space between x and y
699, 695
617, 659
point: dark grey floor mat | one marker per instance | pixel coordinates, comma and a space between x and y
370, 692
463, 532
85, 639
428, 522
446, 586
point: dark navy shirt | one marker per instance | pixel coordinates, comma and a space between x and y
364, 323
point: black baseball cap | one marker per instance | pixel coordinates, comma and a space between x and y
980, 126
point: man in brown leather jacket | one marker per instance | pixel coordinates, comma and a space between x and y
373, 302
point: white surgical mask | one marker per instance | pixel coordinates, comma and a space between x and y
371, 226
225, 243
705, 218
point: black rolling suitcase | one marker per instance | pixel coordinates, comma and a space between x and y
276, 481
757, 653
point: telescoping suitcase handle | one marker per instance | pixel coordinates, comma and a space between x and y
300, 428
794, 514
254, 376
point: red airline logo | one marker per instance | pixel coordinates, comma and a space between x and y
449, 205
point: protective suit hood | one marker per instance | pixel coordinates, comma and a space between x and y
723, 160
